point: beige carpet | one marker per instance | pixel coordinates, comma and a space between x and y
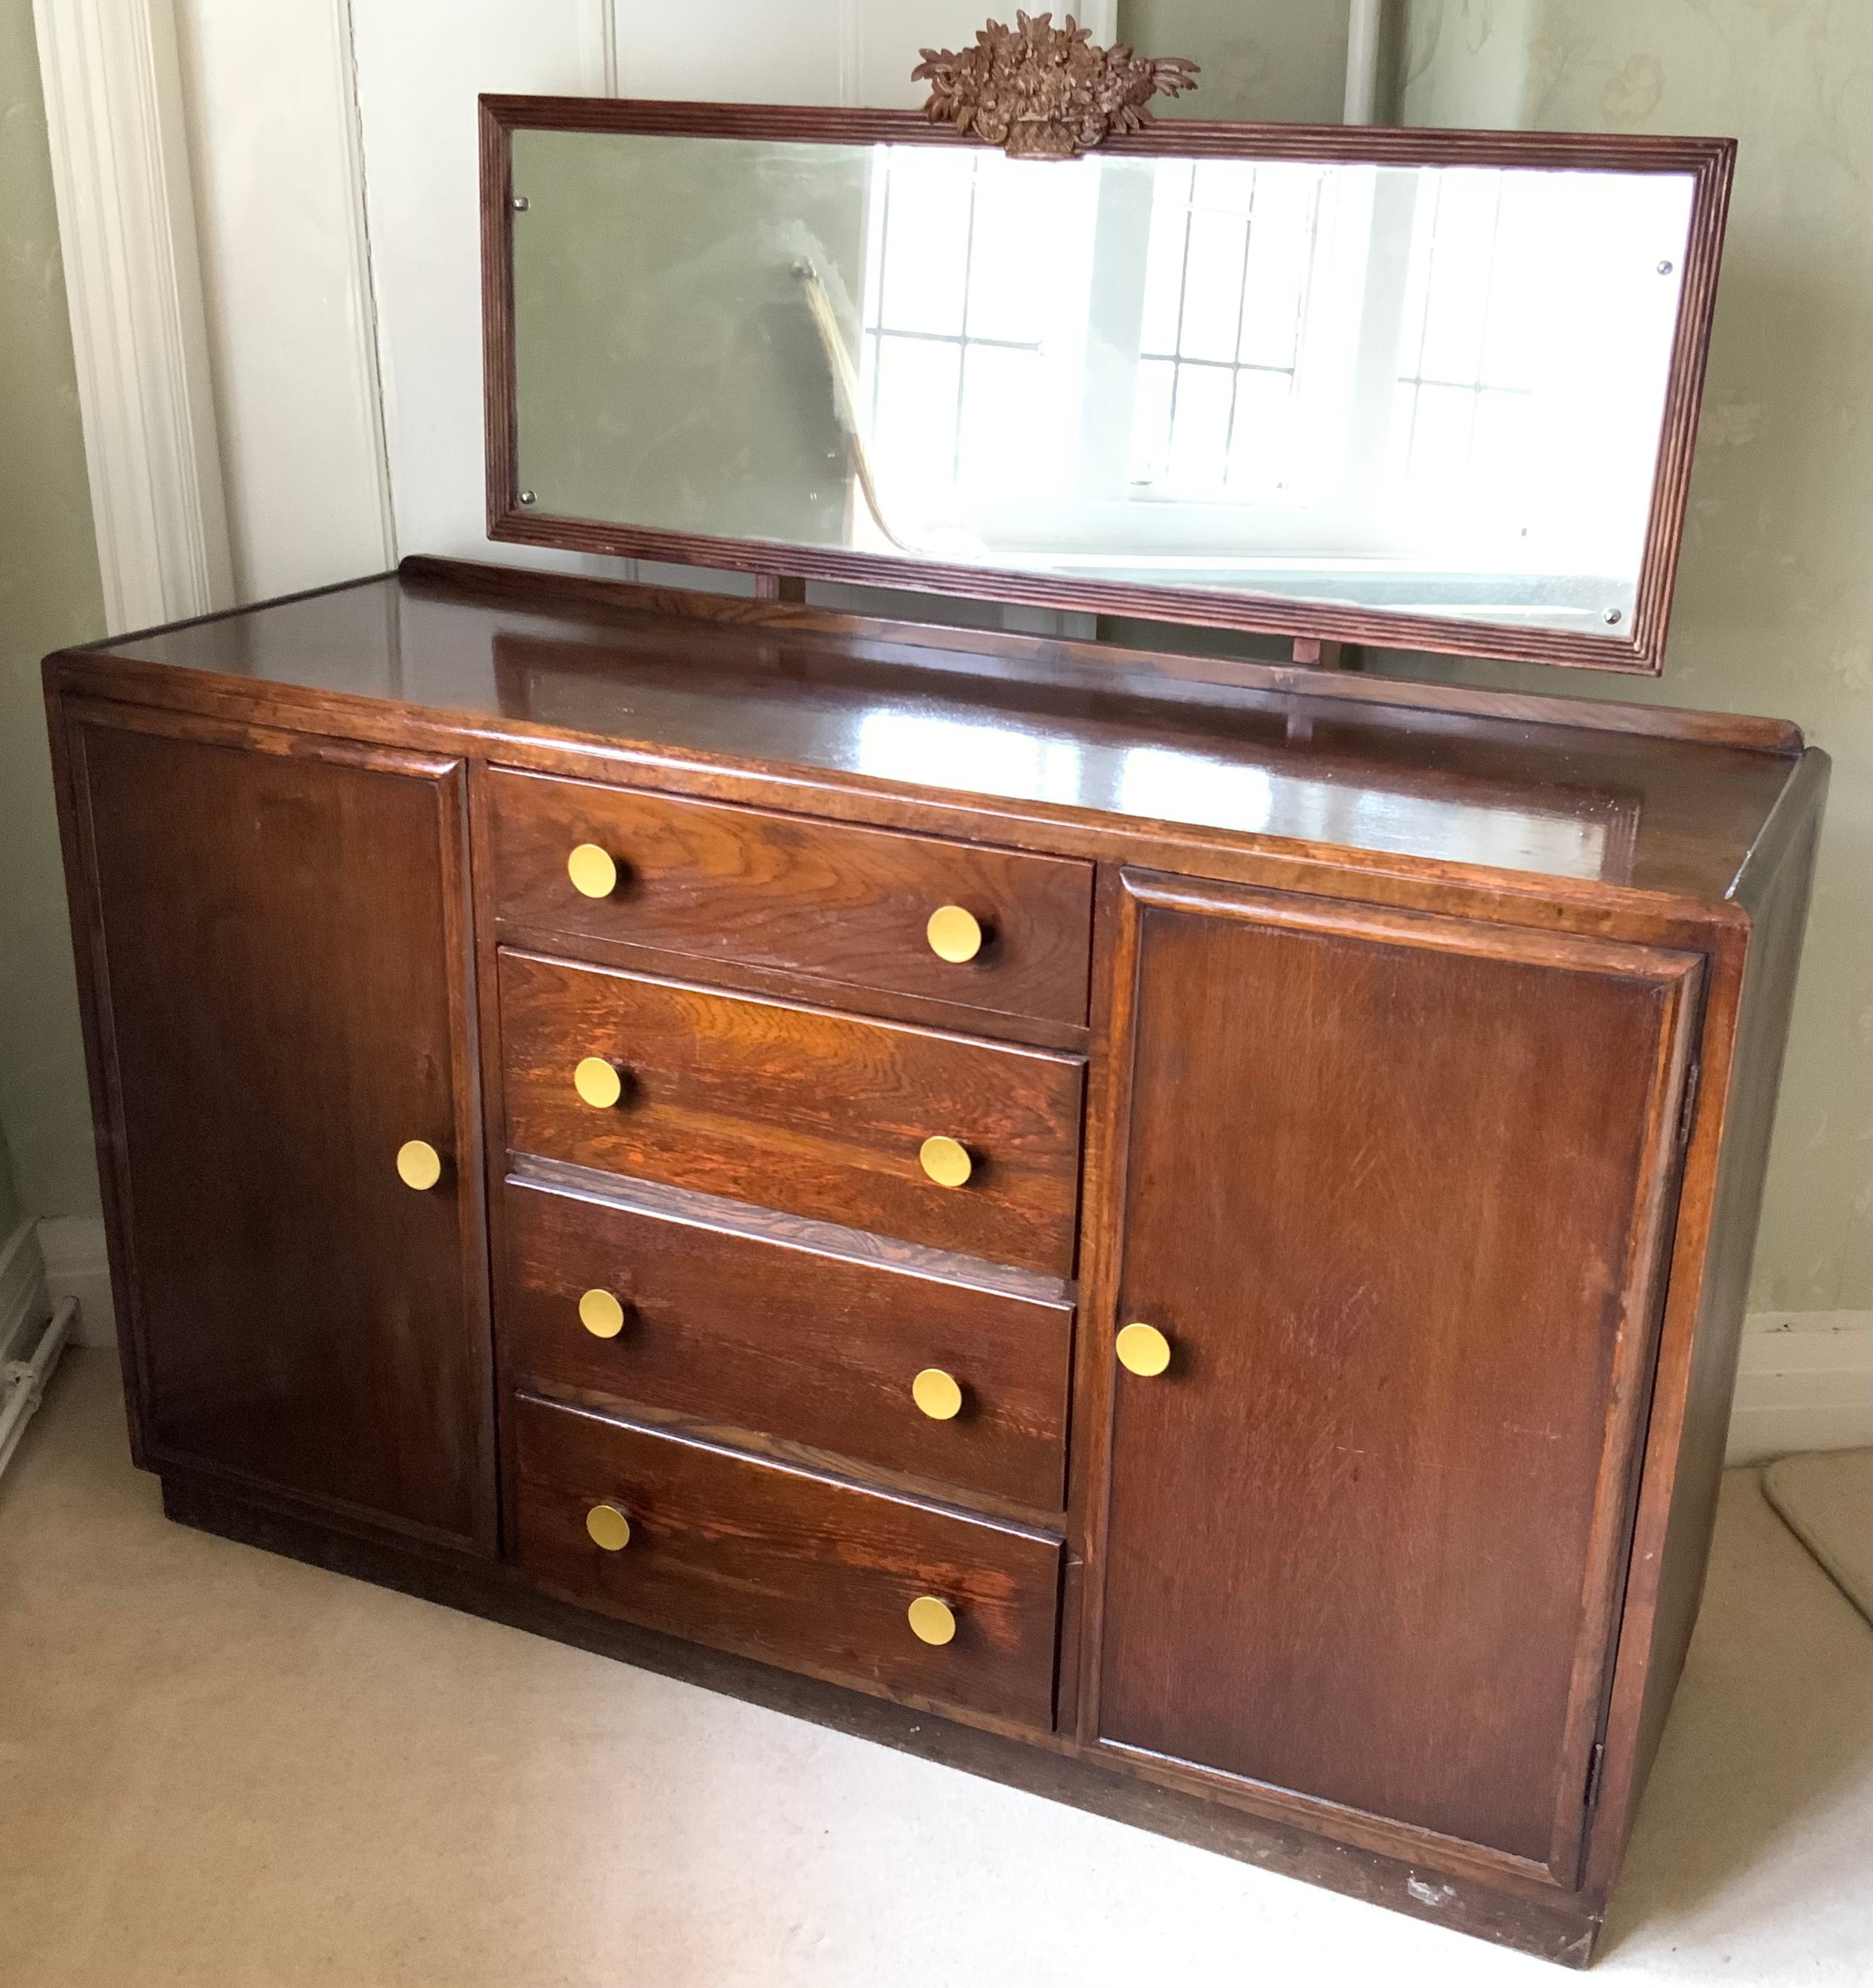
223, 1770
1827, 1500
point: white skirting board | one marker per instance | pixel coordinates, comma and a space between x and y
1805, 1380
25, 1303
72, 1247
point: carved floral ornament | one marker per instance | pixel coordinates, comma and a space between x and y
1042, 92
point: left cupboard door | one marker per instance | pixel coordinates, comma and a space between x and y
274, 933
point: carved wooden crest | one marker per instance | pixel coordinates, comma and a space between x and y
1042, 92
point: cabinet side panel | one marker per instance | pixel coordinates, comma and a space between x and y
279, 943
70, 790
1776, 889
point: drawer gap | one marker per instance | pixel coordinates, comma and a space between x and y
799, 1231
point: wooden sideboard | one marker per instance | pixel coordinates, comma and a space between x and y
1190, 1219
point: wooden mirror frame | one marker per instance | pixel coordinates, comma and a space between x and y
1709, 162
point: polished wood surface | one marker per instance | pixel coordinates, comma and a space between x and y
1072, 748
777, 1563
796, 1108
1589, 848
1708, 163
1360, 1527
279, 929
1754, 994
827, 900
805, 1340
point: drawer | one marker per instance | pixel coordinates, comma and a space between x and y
795, 1341
798, 1569
795, 1108
839, 902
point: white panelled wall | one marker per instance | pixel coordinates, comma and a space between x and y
332, 149
333, 144
286, 277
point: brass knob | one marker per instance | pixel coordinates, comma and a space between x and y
946, 1161
932, 1620
601, 1314
937, 1393
593, 873
598, 1083
1143, 1349
418, 1164
609, 1528
954, 934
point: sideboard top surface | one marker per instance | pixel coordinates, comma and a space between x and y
1626, 796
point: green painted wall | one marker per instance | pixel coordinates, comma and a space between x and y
1772, 610
49, 595
1773, 606
1280, 60
10, 1209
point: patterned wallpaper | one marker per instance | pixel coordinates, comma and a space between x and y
1773, 606
1278, 60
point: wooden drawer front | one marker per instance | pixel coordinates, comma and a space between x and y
815, 1114
843, 903
810, 1346
798, 1569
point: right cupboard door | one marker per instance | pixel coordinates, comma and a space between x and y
1396, 1189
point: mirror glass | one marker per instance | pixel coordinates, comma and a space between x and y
1428, 390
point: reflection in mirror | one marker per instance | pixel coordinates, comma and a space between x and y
1434, 390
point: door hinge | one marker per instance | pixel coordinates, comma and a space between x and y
1687, 1104
1595, 1761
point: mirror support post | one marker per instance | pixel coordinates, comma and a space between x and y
1311, 653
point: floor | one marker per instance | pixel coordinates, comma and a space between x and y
1826, 1500
219, 1767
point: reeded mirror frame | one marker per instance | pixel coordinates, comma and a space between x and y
1708, 161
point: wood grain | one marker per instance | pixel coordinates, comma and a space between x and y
807, 1343
826, 899
930, 643
1359, 1532
816, 1114
280, 940
1751, 995
341, 697
748, 1555
716, 711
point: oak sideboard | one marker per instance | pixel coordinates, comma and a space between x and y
1172, 1232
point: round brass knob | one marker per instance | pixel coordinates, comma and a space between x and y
609, 1528
597, 1082
946, 1161
1143, 1349
418, 1164
937, 1394
594, 874
954, 934
932, 1620
601, 1314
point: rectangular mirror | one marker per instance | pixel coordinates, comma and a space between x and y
1424, 389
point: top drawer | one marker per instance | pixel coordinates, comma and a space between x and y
825, 898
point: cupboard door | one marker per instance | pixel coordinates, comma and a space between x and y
1395, 1196
280, 949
